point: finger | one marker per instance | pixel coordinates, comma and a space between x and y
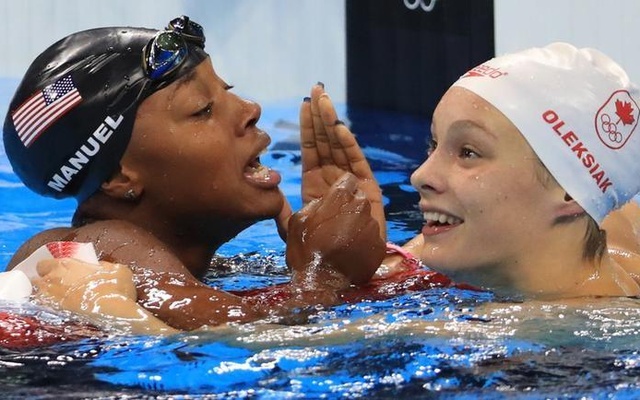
358, 204
330, 120
44, 267
298, 219
308, 148
320, 135
346, 181
342, 191
282, 219
358, 163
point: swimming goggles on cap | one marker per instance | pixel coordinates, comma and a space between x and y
168, 49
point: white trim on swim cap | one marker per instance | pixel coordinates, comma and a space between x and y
578, 110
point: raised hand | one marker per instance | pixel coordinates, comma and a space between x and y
329, 149
336, 233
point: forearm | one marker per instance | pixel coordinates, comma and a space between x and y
117, 310
188, 305
314, 286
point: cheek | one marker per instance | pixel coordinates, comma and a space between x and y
498, 194
523, 209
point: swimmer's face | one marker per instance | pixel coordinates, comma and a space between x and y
195, 149
479, 182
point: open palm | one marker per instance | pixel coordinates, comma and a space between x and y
329, 149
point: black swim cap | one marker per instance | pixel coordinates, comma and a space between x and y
72, 115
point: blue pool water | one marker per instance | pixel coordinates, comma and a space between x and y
443, 342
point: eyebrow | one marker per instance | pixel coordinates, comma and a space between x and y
183, 80
465, 125
186, 78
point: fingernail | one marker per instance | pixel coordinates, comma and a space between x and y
339, 122
320, 84
306, 99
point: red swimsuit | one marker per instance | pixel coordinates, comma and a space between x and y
413, 277
23, 332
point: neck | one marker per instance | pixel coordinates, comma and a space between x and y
556, 268
193, 241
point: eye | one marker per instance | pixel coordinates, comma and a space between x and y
432, 147
204, 112
466, 152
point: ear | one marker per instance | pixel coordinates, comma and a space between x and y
123, 184
568, 207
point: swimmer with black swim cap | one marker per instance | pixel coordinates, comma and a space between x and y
71, 118
164, 161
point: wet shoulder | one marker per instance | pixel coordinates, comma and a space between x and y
38, 240
126, 243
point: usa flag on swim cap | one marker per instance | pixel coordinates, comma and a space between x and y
44, 108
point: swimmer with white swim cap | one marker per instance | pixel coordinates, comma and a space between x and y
529, 154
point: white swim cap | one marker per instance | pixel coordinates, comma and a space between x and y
578, 111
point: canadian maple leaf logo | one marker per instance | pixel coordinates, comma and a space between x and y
624, 110
617, 119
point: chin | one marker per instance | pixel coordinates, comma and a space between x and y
435, 257
442, 261
268, 209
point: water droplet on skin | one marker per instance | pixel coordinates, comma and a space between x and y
110, 49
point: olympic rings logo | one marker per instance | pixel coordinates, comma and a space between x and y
414, 4
611, 128
617, 119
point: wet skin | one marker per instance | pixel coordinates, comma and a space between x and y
490, 220
192, 165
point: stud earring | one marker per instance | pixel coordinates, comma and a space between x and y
130, 195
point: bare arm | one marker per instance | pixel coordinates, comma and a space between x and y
333, 242
341, 246
103, 293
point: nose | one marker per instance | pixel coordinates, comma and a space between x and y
251, 112
430, 175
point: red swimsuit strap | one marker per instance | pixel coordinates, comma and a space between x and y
409, 261
23, 332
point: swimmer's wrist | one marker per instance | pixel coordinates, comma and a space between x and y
319, 277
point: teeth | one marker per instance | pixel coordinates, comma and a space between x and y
261, 172
441, 218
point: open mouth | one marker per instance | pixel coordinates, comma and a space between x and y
437, 219
255, 168
259, 174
